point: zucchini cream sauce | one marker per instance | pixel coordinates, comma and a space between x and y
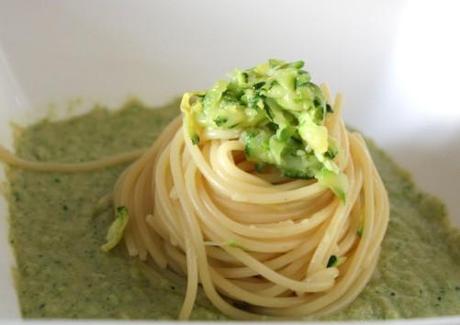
57, 226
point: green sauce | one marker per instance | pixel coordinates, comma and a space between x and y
62, 272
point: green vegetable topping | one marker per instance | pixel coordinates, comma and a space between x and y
332, 261
360, 231
278, 113
233, 243
338, 183
116, 229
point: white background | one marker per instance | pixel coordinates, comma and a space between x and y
396, 62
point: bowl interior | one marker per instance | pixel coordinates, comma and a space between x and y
52, 54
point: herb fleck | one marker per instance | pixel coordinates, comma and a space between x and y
332, 261
195, 139
220, 120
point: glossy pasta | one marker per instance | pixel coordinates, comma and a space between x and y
284, 248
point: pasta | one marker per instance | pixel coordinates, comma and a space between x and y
258, 243
202, 213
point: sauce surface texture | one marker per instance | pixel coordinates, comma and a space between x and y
56, 234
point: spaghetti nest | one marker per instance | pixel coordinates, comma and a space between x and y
259, 244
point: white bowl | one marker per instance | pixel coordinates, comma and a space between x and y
397, 71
